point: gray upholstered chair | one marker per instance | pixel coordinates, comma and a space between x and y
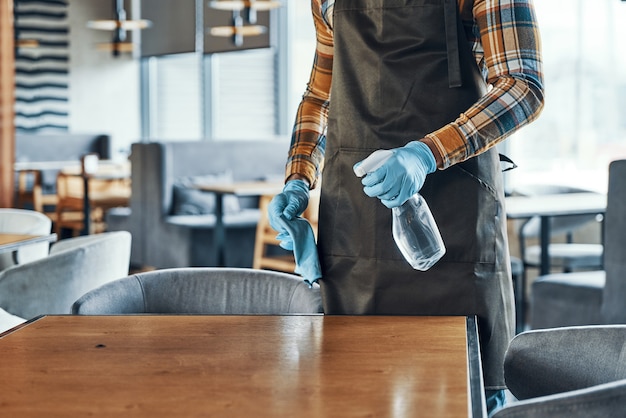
569, 372
202, 290
75, 266
8, 321
28, 222
595, 297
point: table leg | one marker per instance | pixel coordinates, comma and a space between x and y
219, 234
478, 405
520, 302
545, 244
86, 207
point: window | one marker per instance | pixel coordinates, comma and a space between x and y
175, 97
243, 91
582, 127
581, 130
231, 95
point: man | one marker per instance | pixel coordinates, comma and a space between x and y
439, 82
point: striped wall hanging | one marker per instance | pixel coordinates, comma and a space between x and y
41, 66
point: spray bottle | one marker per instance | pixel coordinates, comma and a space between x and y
413, 226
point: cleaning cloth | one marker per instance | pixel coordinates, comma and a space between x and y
299, 238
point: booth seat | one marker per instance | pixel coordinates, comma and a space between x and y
172, 223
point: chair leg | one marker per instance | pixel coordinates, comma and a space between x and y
519, 282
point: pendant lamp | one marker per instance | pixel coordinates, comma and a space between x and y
120, 25
238, 30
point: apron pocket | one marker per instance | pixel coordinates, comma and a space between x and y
353, 224
467, 213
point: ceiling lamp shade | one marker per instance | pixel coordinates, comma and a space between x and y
116, 47
243, 4
226, 31
238, 30
117, 24
120, 25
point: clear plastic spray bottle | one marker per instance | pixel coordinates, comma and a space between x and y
413, 226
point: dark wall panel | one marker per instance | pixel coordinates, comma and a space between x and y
173, 28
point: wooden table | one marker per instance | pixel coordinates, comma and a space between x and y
249, 188
33, 193
548, 206
107, 170
45, 165
242, 366
12, 242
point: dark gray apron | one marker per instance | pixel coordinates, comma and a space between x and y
402, 69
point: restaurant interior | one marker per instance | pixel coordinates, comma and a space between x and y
141, 143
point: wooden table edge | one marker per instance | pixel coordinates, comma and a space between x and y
477, 402
34, 239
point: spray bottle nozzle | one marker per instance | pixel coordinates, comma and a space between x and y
372, 162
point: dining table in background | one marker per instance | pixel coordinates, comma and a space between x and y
106, 170
102, 170
45, 165
30, 183
12, 242
552, 205
546, 207
239, 189
242, 366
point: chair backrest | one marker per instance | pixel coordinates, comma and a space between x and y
202, 290
614, 294
74, 267
23, 221
556, 360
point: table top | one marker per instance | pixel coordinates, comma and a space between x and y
11, 242
59, 165
107, 170
555, 205
45, 165
246, 188
237, 366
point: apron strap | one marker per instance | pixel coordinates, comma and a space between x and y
505, 159
452, 43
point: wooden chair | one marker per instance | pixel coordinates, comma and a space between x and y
266, 237
105, 192
31, 192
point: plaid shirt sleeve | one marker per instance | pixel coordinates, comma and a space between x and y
308, 141
506, 44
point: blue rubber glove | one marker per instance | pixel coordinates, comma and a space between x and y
294, 232
289, 204
402, 175
302, 239
296, 199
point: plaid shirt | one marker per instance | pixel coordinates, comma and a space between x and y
505, 41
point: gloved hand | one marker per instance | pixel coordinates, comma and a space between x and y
289, 204
402, 175
295, 233
299, 234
